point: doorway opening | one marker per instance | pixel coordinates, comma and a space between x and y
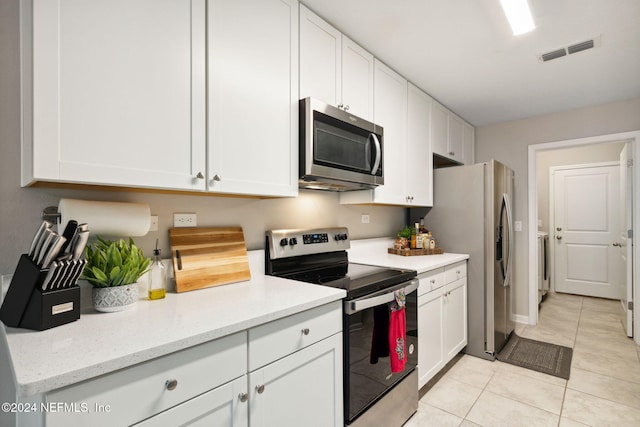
577, 151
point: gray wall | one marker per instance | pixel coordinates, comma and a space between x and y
563, 157
21, 207
508, 142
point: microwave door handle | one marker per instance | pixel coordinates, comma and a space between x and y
376, 162
385, 297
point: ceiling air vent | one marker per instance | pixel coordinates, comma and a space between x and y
559, 53
570, 50
579, 47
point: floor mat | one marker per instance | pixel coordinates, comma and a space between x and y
537, 355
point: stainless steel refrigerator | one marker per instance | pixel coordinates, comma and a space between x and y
472, 214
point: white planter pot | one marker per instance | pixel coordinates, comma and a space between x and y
117, 298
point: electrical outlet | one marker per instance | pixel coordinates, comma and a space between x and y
365, 218
154, 223
185, 220
517, 225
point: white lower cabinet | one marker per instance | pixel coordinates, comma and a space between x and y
221, 407
442, 318
287, 372
303, 389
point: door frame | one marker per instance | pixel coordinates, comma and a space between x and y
632, 137
552, 221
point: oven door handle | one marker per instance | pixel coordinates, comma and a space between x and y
379, 298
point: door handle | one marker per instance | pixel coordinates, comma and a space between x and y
558, 228
616, 244
559, 237
376, 162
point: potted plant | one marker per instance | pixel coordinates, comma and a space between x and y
402, 238
113, 268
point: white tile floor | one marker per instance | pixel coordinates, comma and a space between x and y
603, 389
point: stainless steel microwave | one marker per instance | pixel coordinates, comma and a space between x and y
338, 151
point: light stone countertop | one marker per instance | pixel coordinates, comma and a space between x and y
374, 251
99, 343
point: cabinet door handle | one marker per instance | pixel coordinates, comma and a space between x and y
171, 384
451, 153
341, 105
217, 177
306, 331
200, 175
243, 397
260, 388
346, 108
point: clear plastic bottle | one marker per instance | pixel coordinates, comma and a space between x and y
157, 276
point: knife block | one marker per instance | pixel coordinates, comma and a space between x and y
27, 306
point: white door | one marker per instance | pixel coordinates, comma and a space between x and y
302, 389
586, 221
390, 111
430, 355
252, 93
357, 79
455, 317
225, 406
118, 92
320, 59
626, 246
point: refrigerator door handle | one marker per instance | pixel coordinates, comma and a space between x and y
507, 205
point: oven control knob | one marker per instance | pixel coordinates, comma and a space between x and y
339, 237
293, 241
283, 242
344, 236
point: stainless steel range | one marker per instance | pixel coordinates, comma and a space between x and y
380, 375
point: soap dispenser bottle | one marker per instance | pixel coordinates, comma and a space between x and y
157, 276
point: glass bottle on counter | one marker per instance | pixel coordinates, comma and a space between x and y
157, 276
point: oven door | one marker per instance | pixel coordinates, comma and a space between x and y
367, 375
339, 146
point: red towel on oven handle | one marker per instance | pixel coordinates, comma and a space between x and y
398, 340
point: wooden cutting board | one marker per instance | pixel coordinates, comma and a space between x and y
205, 257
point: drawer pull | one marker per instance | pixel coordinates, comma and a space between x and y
433, 281
243, 397
171, 384
260, 388
457, 271
305, 331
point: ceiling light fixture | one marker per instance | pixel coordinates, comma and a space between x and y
519, 16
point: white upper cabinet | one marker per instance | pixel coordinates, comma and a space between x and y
116, 93
391, 113
451, 137
320, 59
468, 149
253, 97
333, 68
109, 92
357, 79
419, 181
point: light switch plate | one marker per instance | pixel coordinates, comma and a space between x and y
154, 223
365, 218
517, 225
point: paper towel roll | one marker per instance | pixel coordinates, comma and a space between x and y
107, 218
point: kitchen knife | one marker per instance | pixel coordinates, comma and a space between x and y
69, 232
41, 239
52, 272
79, 244
54, 250
45, 246
36, 238
56, 276
60, 277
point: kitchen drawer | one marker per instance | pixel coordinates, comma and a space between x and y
282, 337
431, 280
132, 394
455, 272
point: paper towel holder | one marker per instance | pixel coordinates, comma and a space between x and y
51, 214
